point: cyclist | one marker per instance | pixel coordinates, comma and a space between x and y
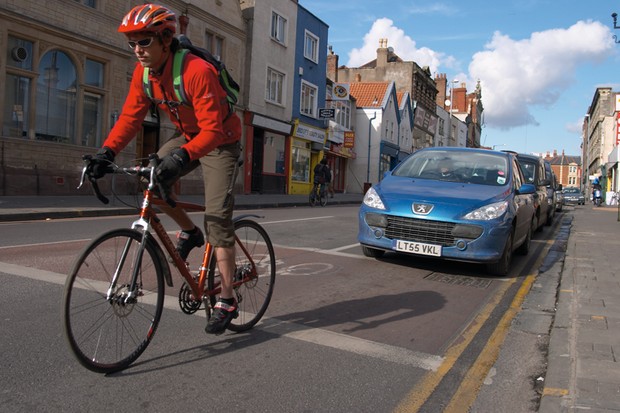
322, 175
207, 135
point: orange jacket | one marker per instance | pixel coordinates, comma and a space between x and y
203, 123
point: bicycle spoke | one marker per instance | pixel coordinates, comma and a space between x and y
108, 326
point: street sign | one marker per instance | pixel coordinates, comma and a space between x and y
325, 113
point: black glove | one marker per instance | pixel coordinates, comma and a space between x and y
172, 165
100, 162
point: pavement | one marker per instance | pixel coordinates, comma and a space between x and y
24, 208
574, 303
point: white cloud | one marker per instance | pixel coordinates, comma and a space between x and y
518, 74
404, 46
515, 75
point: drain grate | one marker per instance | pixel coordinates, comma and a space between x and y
462, 280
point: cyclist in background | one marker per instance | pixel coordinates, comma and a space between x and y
322, 175
207, 135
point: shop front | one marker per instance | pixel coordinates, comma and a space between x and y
266, 159
307, 146
339, 150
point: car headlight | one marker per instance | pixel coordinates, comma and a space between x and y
488, 212
372, 199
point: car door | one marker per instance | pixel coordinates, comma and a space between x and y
541, 185
524, 203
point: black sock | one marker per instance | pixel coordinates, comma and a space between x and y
192, 231
229, 301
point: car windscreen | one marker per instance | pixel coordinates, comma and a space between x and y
456, 166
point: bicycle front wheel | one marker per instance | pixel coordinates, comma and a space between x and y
312, 198
110, 323
255, 260
323, 198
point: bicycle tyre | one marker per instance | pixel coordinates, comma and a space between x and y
312, 198
253, 297
108, 335
323, 199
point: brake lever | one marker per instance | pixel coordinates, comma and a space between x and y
153, 162
93, 182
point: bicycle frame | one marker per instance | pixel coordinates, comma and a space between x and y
148, 220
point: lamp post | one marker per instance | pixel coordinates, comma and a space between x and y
449, 103
614, 16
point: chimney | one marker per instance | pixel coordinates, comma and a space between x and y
441, 82
332, 65
382, 53
555, 153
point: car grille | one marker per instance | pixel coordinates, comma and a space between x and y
420, 230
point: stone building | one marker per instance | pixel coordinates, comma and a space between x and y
64, 79
408, 77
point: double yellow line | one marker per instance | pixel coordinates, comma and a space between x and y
467, 392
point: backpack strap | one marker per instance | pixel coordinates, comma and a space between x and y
177, 78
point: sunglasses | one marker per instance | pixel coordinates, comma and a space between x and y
146, 42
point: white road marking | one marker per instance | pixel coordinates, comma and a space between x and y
295, 331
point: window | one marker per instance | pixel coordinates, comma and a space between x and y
88, 3
300, 161
308, 104
19, 53
343, 114
16, 106
91, 120
273, 154
56, 98
311, 47
18, 84
275, 86
93, 73
278, 28
214, 44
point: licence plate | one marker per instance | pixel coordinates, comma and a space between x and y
418, 248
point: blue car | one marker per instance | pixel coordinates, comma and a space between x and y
452, 203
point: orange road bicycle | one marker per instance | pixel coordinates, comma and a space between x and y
114, 295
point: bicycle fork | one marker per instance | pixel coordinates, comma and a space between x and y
135, 272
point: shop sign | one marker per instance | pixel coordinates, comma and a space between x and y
310, 133
617, 128
349, 139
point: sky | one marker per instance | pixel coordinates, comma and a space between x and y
539, 62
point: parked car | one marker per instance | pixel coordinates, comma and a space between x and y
480, 211
560, 201
533, 168
554, 189
573, 196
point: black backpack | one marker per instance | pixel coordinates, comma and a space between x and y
185, 46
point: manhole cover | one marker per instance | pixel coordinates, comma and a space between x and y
463, 280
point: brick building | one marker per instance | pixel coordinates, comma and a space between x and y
567, 168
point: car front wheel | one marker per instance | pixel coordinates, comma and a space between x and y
372, 252
502, 266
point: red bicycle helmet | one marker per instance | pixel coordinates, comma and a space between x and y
148, 18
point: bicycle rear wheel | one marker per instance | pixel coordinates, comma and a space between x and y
108, 334
256, 259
